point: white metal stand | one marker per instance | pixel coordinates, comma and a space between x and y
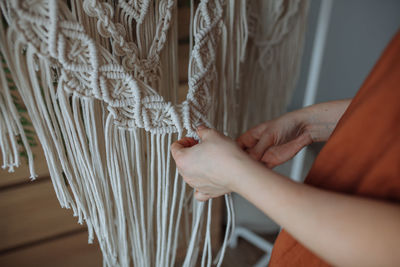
313, 76
255, 240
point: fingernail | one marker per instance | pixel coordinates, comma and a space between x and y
201, 127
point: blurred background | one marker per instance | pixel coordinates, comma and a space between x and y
358, 32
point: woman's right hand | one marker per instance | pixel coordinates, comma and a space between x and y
277, 141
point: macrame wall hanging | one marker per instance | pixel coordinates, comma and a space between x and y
99, 80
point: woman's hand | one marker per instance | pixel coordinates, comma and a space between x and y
208, 166
275, 142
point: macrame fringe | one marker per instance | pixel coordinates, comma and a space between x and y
105, 181
273, 55
112, 167
11, 129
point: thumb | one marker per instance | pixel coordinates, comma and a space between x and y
202, 131
178, 146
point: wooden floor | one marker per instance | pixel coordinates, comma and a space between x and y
34, 229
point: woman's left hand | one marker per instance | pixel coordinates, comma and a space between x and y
210, 166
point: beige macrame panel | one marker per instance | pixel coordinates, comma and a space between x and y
99, 80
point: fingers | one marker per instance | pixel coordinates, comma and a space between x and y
201, 196
246, 140
203, 132
178, 146
187, 142
282, 153
176, 149
250, 138
266, 141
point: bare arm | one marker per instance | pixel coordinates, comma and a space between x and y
343, 230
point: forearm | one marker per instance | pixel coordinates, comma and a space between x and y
341, 229
321, 119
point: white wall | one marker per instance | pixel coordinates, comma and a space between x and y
359, 31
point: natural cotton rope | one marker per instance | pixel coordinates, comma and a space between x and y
99, 81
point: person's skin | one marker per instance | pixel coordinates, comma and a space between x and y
343, 230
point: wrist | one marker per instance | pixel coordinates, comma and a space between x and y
319, 120
310, 123
305, 121
241, 172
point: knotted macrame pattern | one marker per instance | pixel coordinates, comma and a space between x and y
99, 80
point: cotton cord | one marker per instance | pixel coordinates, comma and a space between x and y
99, 81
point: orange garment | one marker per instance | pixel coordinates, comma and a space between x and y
362, 156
